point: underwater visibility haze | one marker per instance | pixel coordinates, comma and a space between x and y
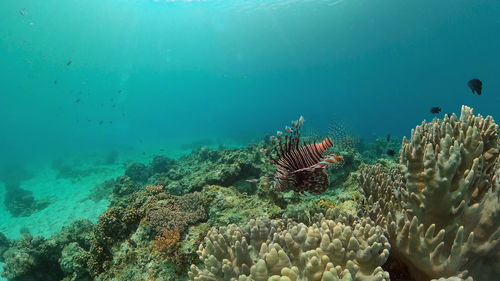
249, 140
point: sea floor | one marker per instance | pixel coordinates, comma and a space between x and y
70, 197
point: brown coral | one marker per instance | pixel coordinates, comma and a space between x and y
166, 240
176, 212
154, 188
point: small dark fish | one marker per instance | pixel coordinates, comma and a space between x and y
110, 122
435, 110
119, 91
77, 101
161, 149
100, 122
476, 86
388, 138
22, 12
55, 81
390, 152
69, 62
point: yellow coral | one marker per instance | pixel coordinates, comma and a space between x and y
325, 204
154, 188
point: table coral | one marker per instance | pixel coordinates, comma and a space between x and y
278, 250
441, 207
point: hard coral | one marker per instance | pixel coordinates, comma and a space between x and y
166, 240
277, 250
176, 212
154, 188
161, 164
441, 207
210, 167
114, 225
138, 172
34, 258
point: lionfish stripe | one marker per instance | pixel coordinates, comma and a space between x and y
300, 157
322, 164
304, 158
313, 154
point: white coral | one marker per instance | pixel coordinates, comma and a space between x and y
267, 250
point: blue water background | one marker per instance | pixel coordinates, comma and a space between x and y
234, 70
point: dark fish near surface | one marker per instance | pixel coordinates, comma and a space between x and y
77, 101
69, 62
388, 138
476, 86
55, 81
435, 110
390, 152
100, 122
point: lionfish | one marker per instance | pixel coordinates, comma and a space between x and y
300, 168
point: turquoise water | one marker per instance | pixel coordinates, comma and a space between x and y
234, 69
169, 75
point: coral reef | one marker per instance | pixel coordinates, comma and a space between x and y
138, 172
433, 213
4, 245
227, 205
207, 166
74, 170
176, 212
123, 187
341, 249
166, 240
441, 207
161, 164
33, 258
20, 202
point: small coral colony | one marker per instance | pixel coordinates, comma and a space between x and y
293, 207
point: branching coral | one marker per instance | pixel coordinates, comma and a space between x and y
441, 208
275, 250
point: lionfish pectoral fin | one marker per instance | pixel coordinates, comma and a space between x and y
330, 159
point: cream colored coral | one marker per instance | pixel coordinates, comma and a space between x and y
267, 250
441, 208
